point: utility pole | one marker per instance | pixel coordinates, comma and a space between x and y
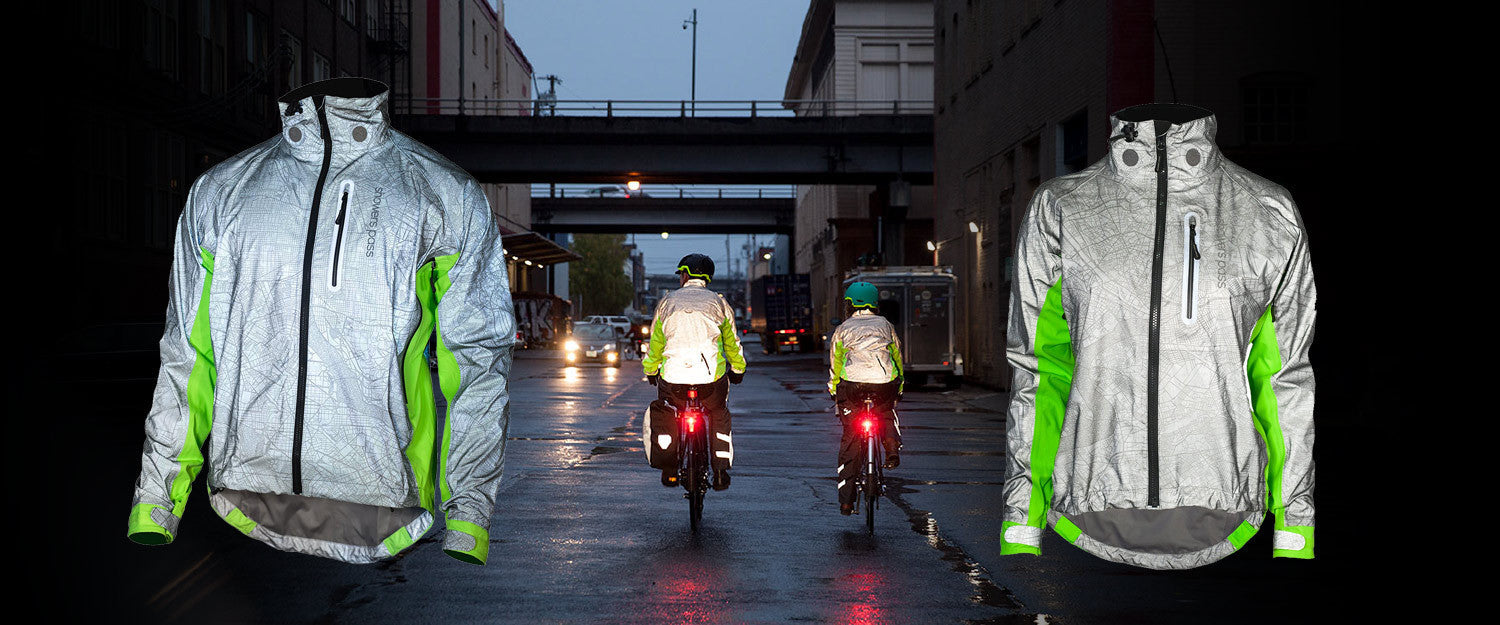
694, 95
548, 99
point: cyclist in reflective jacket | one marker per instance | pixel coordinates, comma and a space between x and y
694, 343
864, 361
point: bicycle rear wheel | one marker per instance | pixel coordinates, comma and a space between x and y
695, 484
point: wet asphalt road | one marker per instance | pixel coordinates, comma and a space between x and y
585, 533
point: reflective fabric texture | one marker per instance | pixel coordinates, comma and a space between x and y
389, 210
861, 350
1211, 451
693, 338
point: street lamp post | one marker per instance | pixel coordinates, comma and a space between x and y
694, 94
935, 246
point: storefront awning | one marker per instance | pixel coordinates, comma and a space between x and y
536, 248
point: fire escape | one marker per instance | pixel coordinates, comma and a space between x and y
390, 39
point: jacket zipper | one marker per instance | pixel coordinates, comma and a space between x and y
338, 240
307, 257
1190, 267
1153, 353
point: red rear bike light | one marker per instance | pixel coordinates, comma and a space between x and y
692, 422
869, 425
692, 393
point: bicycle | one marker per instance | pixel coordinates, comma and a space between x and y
869, 484
694, 467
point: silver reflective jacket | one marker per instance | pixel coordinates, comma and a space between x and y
310, 274
693, 338
1160, 320
864, 348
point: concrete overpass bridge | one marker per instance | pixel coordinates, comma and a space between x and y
712, 215
751, 142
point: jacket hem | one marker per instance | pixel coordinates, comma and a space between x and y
344, 552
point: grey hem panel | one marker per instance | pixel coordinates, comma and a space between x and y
320, 518
353, 554
1158, 561
1164, 531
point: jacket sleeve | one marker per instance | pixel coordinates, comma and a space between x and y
1039, 350
1281, 388
476, 332
182, 405
729, 339
896, 366
837, 353
651, 364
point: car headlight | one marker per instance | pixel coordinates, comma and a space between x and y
571, 346
609, 346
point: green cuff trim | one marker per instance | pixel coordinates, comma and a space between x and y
467, 542
144, 530
1067, 529
1305, 553
1007, 549
1242, 534
240, 522
399, 541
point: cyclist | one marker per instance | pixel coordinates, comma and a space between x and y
864, 361
694, 343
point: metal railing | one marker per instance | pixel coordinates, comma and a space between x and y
410, 105
611, 191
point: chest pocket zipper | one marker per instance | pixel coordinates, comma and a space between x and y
1190, 258
335, 268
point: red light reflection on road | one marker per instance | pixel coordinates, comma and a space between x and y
688, 592
864, 596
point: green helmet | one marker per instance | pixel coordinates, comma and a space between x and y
862, 295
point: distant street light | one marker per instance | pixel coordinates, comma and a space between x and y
931, 247
635, 185
973, 227
934, 247
694, 22
766, 256
663, 235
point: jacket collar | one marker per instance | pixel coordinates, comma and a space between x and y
356, 113
1189, 130
862, 312
698, 282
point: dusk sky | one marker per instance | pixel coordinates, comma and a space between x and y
639, 51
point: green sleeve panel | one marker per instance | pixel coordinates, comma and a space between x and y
1054, 354
447, 365
652, 362
836, 361
421, 409
145, 530
898, 368
1261, 368
730, 340
200, 395
467, 542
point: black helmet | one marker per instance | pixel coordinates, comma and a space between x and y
697, 266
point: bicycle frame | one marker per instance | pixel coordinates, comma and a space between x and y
870, 483
694, 469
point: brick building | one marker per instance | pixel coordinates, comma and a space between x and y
858, 57
1024, 90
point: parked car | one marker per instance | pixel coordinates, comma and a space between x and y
593, 342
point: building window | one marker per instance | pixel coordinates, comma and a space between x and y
321, 68
100, 24
1073, 143
159, 37
895, 70
347, 10
256, 46
372, 17
1275, 109
212, 63
486, 50
292, 77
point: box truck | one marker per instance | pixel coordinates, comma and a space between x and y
919, 301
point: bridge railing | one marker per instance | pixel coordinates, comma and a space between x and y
657, 108
579, 190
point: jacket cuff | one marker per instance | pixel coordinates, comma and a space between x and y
1293, 541
467, 542
1018, 538
151, 524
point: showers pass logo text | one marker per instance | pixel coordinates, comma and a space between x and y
372, 226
